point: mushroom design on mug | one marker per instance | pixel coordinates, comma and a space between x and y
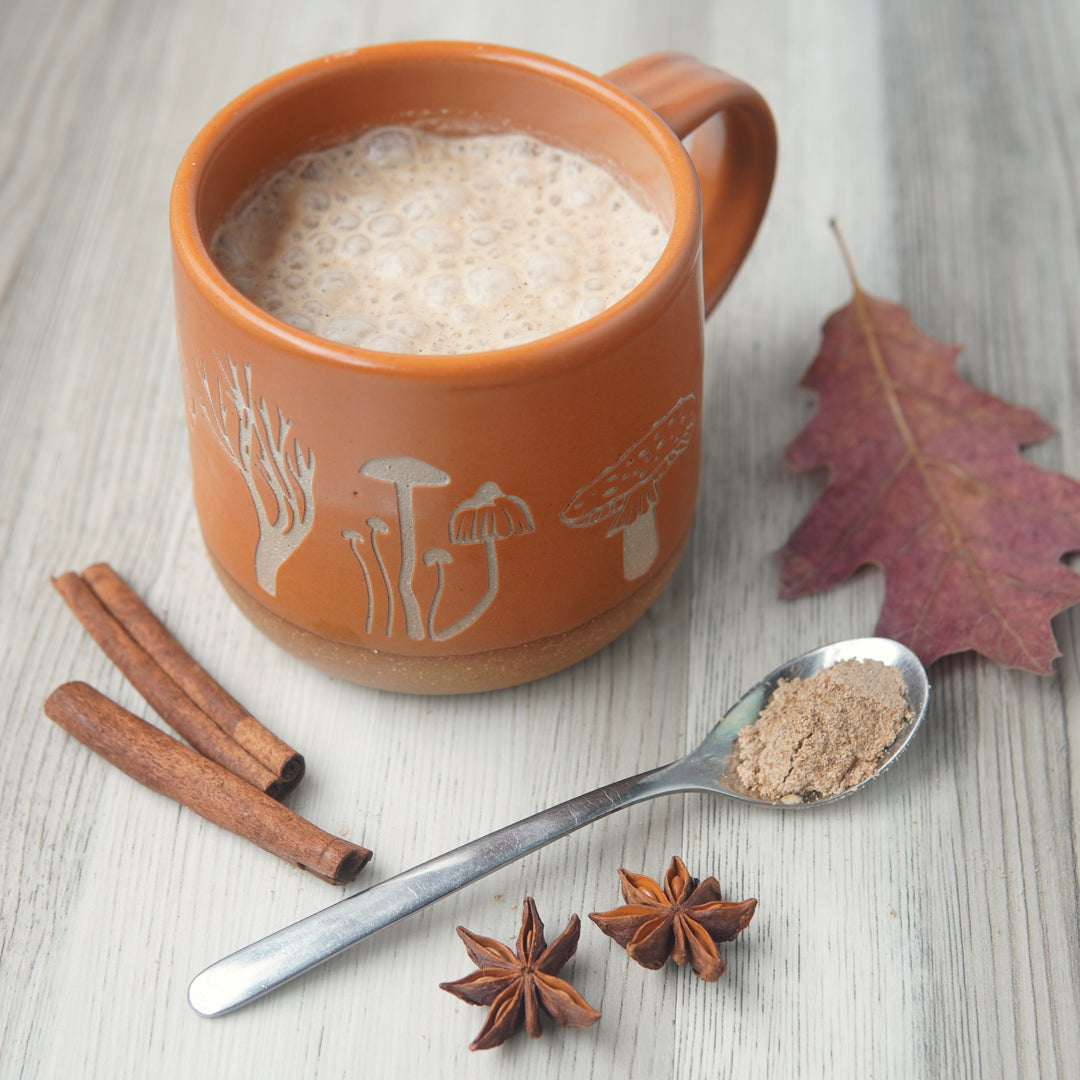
488, 517
257, 443
405, 473
627, 492
485, 519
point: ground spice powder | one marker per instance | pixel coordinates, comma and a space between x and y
825, 734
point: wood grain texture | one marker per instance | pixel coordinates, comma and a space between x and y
926, 928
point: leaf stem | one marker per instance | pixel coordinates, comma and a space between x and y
959, 545
849, 262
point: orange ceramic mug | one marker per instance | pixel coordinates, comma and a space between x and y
445, 524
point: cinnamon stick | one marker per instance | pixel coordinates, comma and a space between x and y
148, 630
165, 765
162, 693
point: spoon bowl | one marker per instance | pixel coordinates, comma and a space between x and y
714, 753
265, 965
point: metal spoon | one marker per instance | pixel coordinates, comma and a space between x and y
265, 965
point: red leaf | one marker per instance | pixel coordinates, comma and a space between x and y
927, 482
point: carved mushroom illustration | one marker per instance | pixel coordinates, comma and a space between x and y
405, 473
258, 445
627, 492
486, 518
356, 541
379, 528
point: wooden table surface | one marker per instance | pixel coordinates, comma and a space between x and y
926, 928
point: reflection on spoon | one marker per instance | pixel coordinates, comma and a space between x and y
267, 964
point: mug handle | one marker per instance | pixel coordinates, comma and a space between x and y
733, 151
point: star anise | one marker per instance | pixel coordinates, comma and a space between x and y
684, 920
518, 987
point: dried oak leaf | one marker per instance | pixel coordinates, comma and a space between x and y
927, 482
683, 919
518, 986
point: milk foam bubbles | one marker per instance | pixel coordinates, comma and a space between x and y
408, 241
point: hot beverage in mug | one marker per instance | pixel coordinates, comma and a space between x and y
444, 526
407, 241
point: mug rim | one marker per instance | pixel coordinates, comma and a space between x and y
561, 349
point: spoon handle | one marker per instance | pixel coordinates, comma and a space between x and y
266, 964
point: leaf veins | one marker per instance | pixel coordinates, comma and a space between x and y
927, 482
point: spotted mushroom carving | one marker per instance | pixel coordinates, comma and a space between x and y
626, 493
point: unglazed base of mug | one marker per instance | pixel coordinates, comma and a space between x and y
467, 673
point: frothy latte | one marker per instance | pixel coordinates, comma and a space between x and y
408, 241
